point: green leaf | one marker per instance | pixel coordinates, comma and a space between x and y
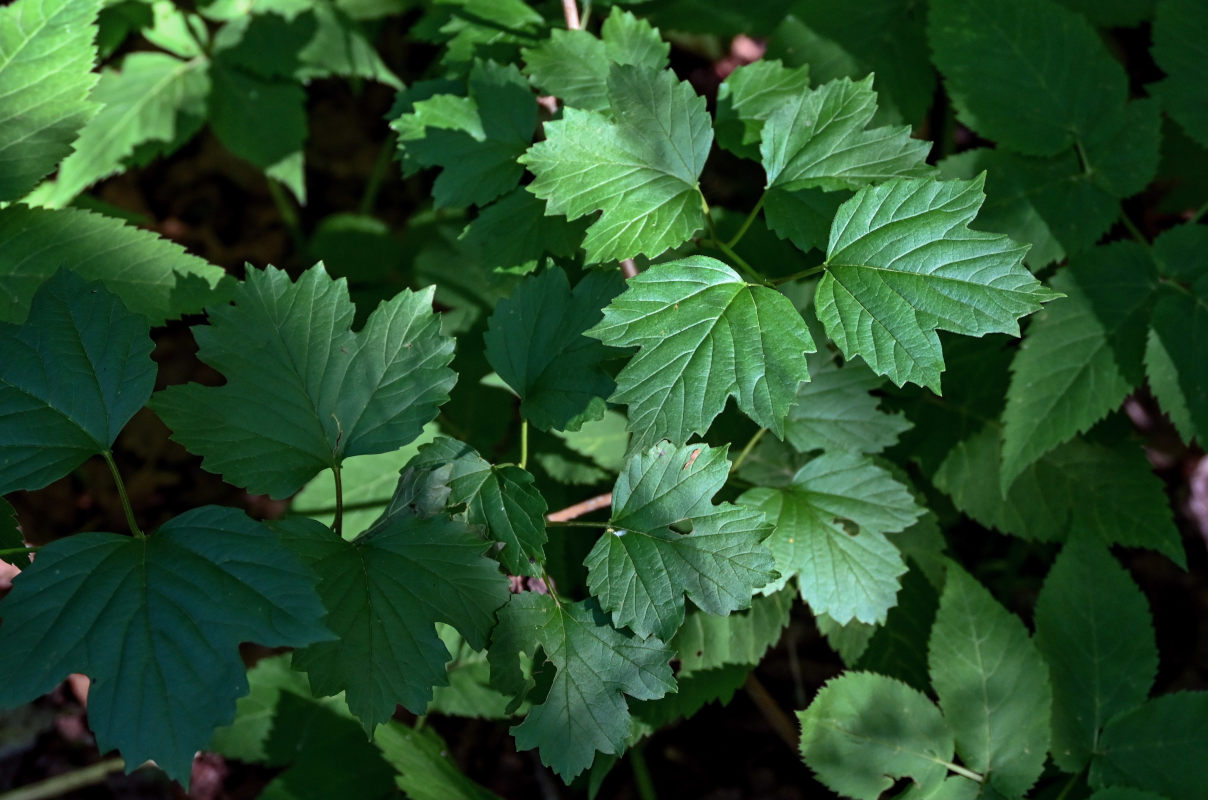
46, 55
1112, 13
475, 140
705, 335
639, 165
1029, 74
470, 27
1179, 29
605, 441
1094, 630
1082, 488
1159, 746
902, 263
573, 65
707, 642
818, 140
642, 567
899, 647
1122, 152
885, 37
155, 98
535, 341
803, 217
245, 738
365, 480
1181, 313
749, 96
339, 47
425, 769
52, 420
147, 272
1124, 793
1050, 202
238, 96
10, 537
992, 685
501, 498
1163, 380
1065, 376
830, 525
835, 411
585, 711
692, 693
469, 693
302, 390
513, 233
384, 592
864, 730
144, 614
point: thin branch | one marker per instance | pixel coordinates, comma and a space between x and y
781, 723
579, 509
59, 785
571, 9
805, 273
746, 451
628, 268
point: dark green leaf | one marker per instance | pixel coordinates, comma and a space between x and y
51, 420
425, 769
156, 623
835, 411
514, 232
707, 642
1158, 746
11, 538
303, 391
1179, 31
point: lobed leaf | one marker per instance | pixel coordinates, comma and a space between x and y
705, 335
1179, 30
835, 411
72, 376
302, 390
156, 623
902, 263
1157, 746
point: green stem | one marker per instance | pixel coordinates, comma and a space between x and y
60, 785
337, 524
523, 445
1082, 160
746, 451
1073, 781
746, 223
965, 773
796, 276
362, 505
577, 523
288, 216
641, 774
121, 492
751, 273
1133, 229
378, 174
1199, 212
17, 551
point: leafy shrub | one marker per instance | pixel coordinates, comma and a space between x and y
856, 293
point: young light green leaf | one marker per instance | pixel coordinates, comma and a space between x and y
705, 334
1081, 488
384, 592
535, 341
148, 273
425, 769
864, 730
902, 263
707, 642
1064, 379
1179, 30
749, 96
1158, 746
642, 567
46, 57
475, 140
573, 65
469, 693
339, 47
818, 140
154, 98
303, 391
585, 711
835, 411
1028, 74
605, 441
501, 498
51, 420
992, 685
145, 612
1094, 630
639, 165
830, 525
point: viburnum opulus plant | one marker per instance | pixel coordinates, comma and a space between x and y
795, 387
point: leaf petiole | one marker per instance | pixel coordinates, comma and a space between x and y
337, 523
523, 445
121, 493
746, 450
796, 276
746, 223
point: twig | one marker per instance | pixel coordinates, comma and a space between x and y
628, 268
59, 785
579, 509
781, 723
571, 9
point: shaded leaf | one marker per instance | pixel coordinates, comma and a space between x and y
1179, 30
707, 642
1158, 746
835, 411
425, 770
